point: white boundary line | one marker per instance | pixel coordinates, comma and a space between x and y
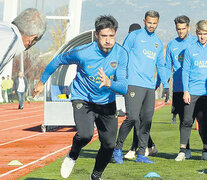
20, 113
18, 126
25, 117
21, 139
40, 159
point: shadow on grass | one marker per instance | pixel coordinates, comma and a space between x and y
31, 178
88, 153
202, 171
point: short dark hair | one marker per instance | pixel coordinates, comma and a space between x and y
103, 22
182, 19
152, 13
134, 26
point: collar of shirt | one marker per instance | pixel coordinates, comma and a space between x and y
20, 46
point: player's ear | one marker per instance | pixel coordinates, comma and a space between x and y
96, 34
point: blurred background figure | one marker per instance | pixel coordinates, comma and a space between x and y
20, 88
3, 89
9, 85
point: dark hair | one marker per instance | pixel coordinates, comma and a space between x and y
134, 26
103, 22
182, 19
152, 14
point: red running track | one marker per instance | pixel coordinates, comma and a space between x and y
23, 140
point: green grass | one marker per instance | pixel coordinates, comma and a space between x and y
166, 137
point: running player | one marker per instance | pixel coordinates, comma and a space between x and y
174, 61
194, 77
101, 71
145, 53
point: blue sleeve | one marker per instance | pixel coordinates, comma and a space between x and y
129, 41
120, 85
161, 68
186, 70
168, 63
70, 57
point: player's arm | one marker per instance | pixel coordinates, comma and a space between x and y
61, 59
161, 68
168, 62
185, 76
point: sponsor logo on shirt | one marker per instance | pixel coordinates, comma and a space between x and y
149, 54
179, 58
143, 41
89, 67
201, 64
96, 79
113, 64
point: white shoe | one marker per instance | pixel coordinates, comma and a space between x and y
130, 155
180, 157
188, 154
67, 167
147, 151
150, 151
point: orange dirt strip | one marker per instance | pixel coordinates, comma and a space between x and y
23, 140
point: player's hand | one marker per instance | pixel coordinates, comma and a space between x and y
105, 81
39, 87
186, 97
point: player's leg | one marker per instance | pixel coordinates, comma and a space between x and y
107, 125
134, 97
186, 126
84, 120
145, 124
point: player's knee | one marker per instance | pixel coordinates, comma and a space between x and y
86, 136
187, 123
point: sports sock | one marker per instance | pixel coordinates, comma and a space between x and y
183, 150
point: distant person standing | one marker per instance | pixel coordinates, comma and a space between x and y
146, 53
194, 76
3, 89
151, 149
24, 31
9, 85
20, 88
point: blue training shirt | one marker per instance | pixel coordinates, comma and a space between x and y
89, 58
145, 53
194, 69
174, 59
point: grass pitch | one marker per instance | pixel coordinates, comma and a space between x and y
166, 137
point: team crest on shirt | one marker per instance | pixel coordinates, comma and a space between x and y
113, 64
156, 45
79, 105
132, 94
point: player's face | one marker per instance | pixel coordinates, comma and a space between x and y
182, 30
202, 36
106, 39
151, 23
